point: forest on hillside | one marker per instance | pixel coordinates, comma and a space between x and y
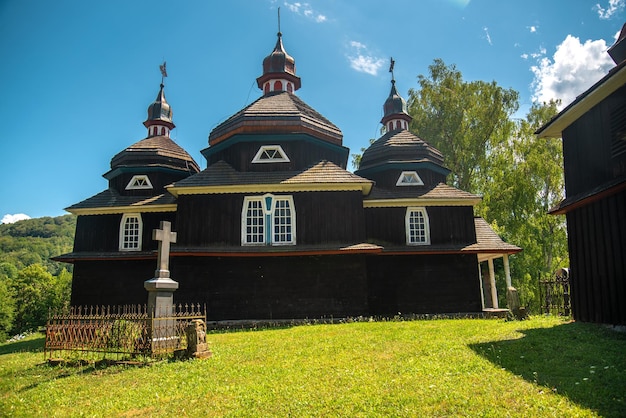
31, 283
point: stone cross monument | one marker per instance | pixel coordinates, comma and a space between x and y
161, 288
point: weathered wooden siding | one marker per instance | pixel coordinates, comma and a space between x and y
448, 225
100, 233
321, 218
158, 180
389, 178
593, 150
111, 282
410, 284
274, 287
597, 251
302, 154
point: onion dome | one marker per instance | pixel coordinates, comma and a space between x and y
279, 71
159, 120
396, 115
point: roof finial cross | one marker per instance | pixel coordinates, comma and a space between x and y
279, 34
163, 69
391, 65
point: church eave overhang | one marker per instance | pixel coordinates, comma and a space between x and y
109, 210
417, 201
364, 187
142, 169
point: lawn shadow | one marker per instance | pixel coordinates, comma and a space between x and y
31, 345
584, 362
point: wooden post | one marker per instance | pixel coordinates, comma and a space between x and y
507, 270
492, 280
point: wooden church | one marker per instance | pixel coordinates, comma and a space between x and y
276, 228
593, 132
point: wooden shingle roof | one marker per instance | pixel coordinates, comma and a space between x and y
110, 201
487, 241
155, 151
399, 146
221, 177
441, 194
279, 112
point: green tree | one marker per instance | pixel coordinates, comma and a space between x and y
463, 120
36, 291
523, 180
7, 308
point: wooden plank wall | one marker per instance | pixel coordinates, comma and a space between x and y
302, 154
597, 247
321, 218
448, 225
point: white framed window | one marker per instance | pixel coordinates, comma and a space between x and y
131, 228
270, 154
268, 220
409, 178
417, 228
140, 181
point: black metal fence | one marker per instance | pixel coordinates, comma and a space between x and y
555, 294
123, 331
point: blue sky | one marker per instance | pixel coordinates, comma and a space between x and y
77, 76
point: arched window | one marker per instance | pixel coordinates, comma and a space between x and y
278, 85
131, 229
417, 228
162, 130
398, 126
290, 87
266, 88
390, 126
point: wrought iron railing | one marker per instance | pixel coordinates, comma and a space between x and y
555, 294
123, 331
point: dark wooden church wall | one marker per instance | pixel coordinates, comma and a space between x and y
388, 179
111, 282
597, 249
588, 158
321, 217
273, 287
209, 220
448, 225
329, 217
301, 154
100, 233
410, 284
158, 180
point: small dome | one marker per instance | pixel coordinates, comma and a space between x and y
279, 61
399, 147
279, 65
160, 112
394, 103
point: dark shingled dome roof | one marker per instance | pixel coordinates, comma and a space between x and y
155, 151
277, 112
399, 146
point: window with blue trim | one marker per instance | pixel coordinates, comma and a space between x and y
268, 220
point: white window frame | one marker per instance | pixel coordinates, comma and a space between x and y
411, 226
132, 184
405, 175
268, 220
276, 150
125, 244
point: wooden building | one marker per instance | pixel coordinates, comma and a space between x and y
593, 132
276, 227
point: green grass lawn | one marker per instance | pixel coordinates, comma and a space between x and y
445, 367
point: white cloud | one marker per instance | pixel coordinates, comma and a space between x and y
362, 61
533, 28
573, 69
306, 10
614, 6
9, 218
486, 29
